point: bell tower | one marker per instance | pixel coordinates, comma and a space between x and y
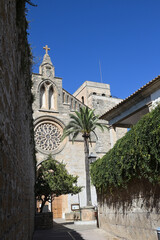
46, 68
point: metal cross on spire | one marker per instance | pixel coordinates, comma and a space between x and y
46, 48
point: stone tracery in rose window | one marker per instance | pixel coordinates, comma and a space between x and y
47, 136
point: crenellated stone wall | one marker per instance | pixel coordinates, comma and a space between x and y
17, 165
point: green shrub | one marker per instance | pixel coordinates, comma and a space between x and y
136, 155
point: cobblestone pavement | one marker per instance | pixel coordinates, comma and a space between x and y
69, 231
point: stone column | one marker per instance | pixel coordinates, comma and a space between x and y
113, 135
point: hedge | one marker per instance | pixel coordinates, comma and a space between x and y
136, 155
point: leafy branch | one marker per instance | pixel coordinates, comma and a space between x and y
53, 180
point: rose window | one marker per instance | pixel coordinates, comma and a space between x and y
47, 136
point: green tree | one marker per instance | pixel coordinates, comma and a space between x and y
84, 122
53, 180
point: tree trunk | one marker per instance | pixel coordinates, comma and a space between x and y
88, 186
43, 203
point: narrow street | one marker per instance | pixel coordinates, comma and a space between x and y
69, 231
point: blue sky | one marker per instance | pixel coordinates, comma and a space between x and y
123, 34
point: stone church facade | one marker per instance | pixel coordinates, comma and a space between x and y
51, 110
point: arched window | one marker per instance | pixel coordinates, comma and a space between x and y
67, 99
48, 96
42, 97
103, 94
82, 99
94, 93
64, 97
51, 98
71, 103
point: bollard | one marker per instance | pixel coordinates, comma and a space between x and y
158, 233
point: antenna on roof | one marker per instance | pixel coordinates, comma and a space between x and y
100, 70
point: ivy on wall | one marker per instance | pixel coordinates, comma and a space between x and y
135, 156
25, 68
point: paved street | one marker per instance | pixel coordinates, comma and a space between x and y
69, 231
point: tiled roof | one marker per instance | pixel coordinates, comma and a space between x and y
123, 102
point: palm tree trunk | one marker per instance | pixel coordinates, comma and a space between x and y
88, 186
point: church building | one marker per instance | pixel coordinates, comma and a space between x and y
51, 110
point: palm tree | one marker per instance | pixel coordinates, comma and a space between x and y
84, 122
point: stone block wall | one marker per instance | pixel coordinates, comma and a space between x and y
17, 166
44, 220
132, 213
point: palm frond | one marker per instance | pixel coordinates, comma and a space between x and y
102, 126
95, 134
74, 136
77, 119
85, 121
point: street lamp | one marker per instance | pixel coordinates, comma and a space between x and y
92, 158
158, 233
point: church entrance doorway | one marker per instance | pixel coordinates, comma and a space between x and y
57, 207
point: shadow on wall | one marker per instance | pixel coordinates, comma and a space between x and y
138, 191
